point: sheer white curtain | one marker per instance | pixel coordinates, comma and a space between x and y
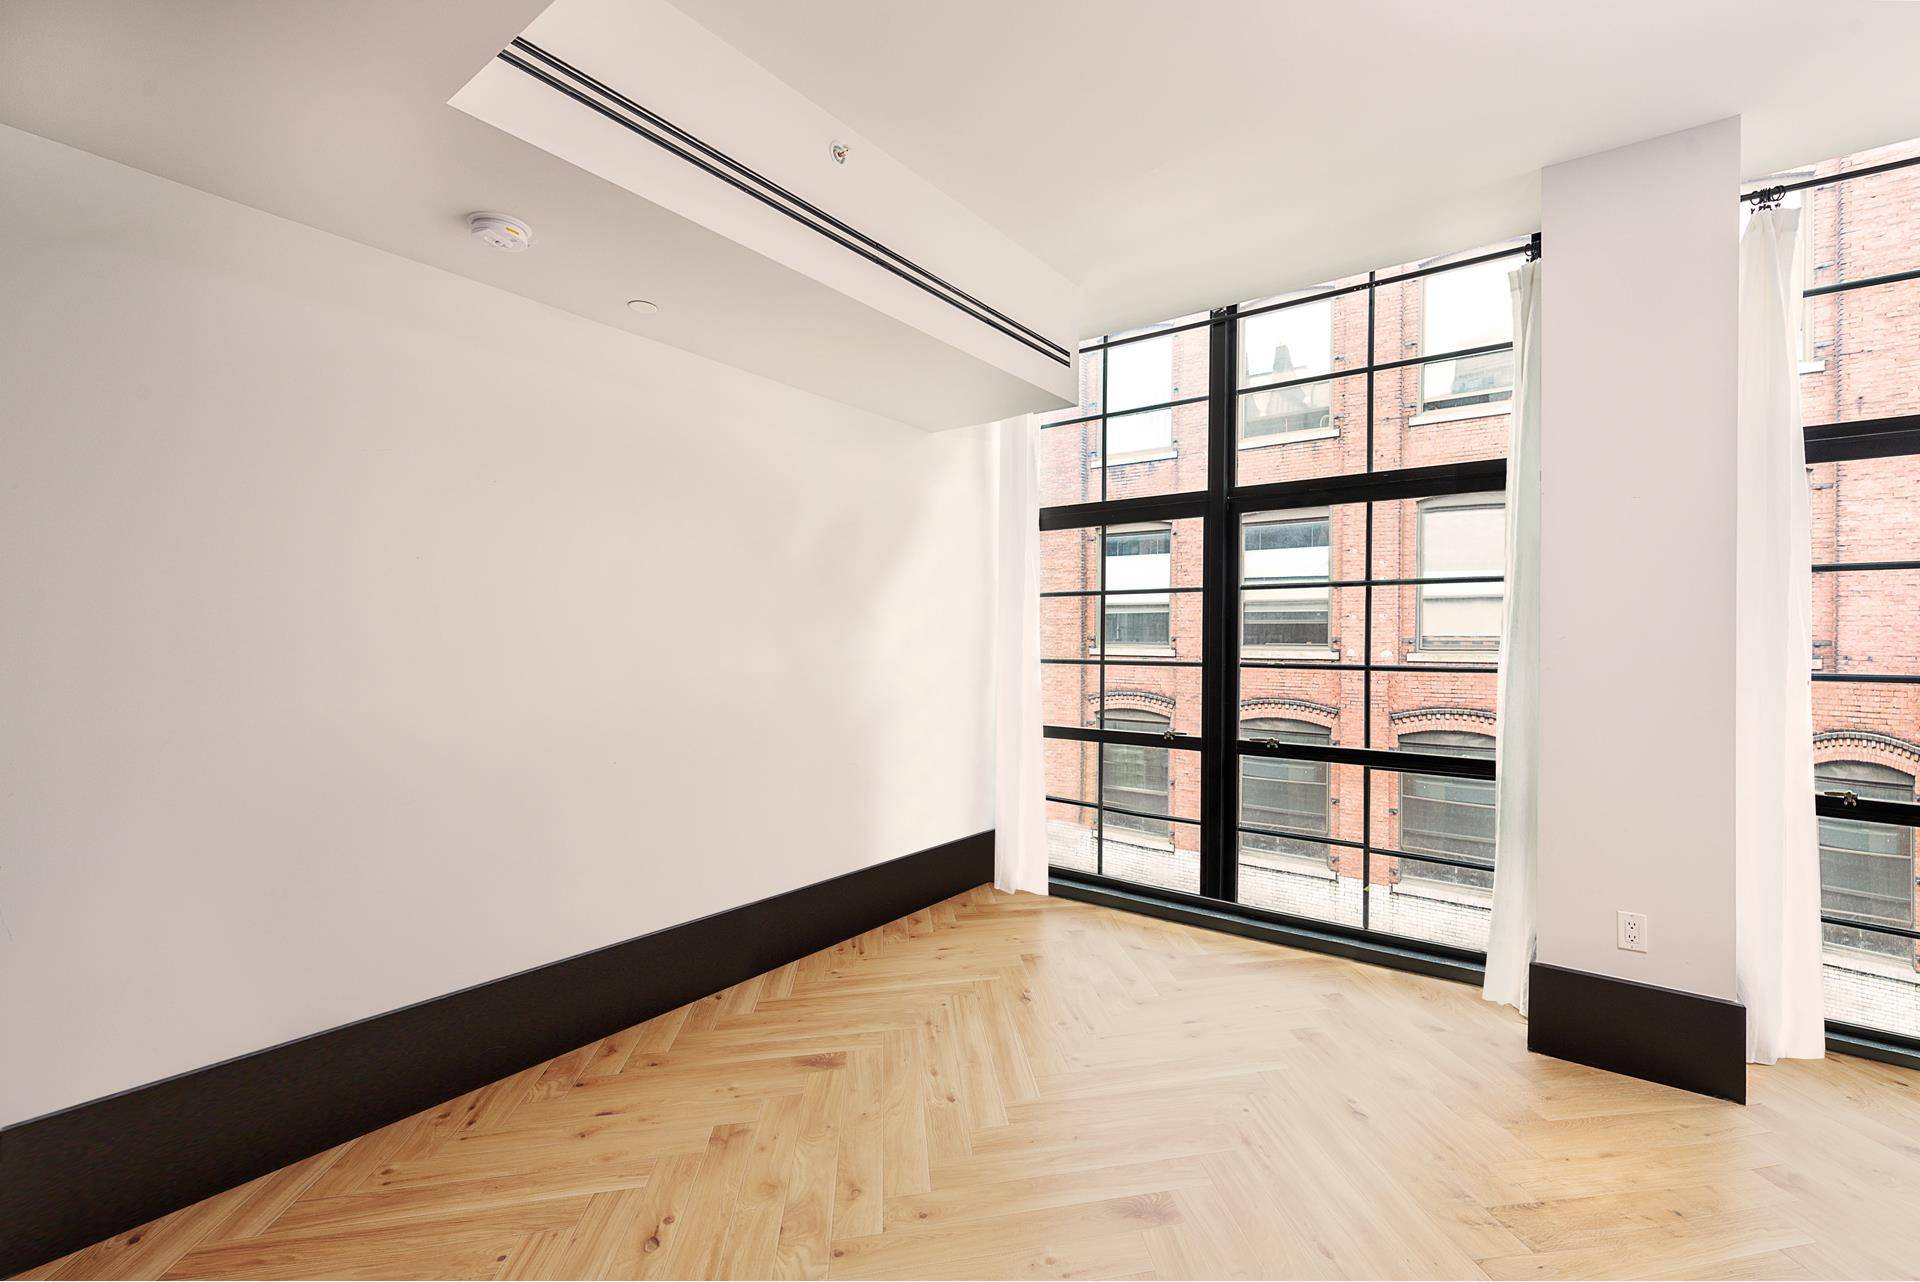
1019, 833
1777, 862
1510, 945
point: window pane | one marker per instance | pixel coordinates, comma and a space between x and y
1850, 713
1466, 381
1093, 366
1161, 689
1325, 336
1150, 781
1293, 433
1274, 414
1302, 625
1447, 311
1140, 373
1867, 876
1139, 625
1069, 627
1440, 815
1069, 560
1866, 869
1454, 537
1287, 795
1329, 699
1300, 545
1155, 554
1069, 463
1409, 704
1462, 536
1285, 547
1863, 227
1445, 815
1867, 621
1129, 436
1409, 899
1070, 837
1170, 860
1070, 765
1293, 875
1452, 411
1280, 621
1872, 987
1282, 612
1157, 452
1163, 450
1865, 510
1070, 694
1138, 781
1867, 344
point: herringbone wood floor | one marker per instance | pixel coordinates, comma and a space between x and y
1018, 1087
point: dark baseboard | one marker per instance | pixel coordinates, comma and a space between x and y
1659, 1034
74, 1177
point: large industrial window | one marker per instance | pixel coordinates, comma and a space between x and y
1859, 265
1272, 552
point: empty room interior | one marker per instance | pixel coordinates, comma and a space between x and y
1006, 639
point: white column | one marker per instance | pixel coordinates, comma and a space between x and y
1639, 341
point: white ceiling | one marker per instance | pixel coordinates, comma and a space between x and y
1173, 156
1167, 156
335, 114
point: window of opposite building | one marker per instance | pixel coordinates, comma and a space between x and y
1279, 350
1287, 794
1139, 374
1135, 778
1449, 817
1284, 568
1462, 310
1139, 572
1866, 869
1461, 538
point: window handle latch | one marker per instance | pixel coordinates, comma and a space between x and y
1167, 735
1270, 743
1847, 798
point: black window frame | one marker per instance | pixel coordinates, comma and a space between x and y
1221, 509
1891, 436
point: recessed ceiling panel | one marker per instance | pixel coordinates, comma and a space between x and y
639, 95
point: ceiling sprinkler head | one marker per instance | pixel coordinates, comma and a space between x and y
839, 152
501, 231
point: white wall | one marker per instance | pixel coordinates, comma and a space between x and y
370, 633
1639, 325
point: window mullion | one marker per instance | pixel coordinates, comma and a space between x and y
1219, 635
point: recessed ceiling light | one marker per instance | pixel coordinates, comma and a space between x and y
642, 306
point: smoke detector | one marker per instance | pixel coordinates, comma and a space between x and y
501, 231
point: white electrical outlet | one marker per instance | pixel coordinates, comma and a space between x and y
1633, 932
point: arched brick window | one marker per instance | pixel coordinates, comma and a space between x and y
1283, 792
1135, 777
1446, 816
1866, 869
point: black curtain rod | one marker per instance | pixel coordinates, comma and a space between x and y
1774, 194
